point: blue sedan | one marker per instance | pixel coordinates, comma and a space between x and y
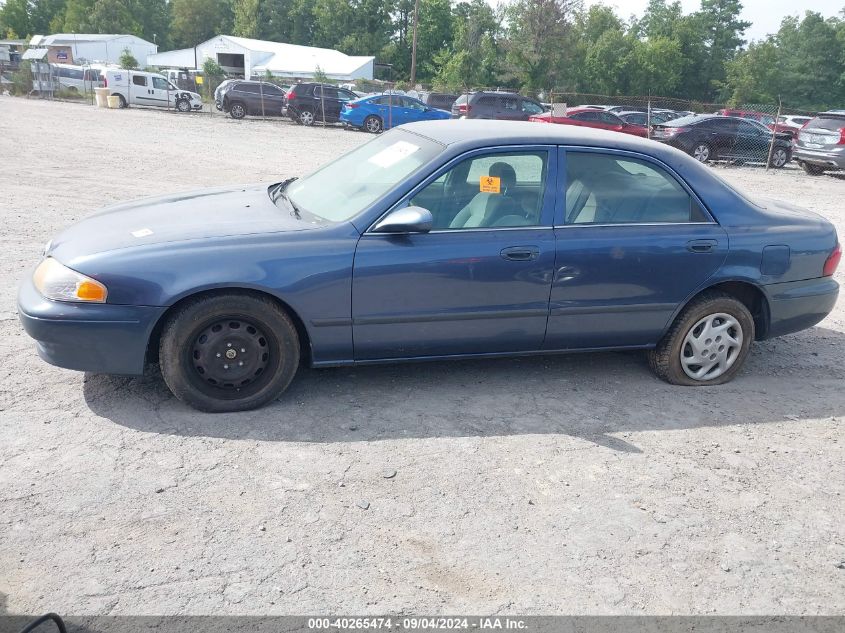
434, 241
382, 112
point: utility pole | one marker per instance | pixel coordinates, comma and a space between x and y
414, 45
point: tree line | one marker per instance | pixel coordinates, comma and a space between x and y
524, 44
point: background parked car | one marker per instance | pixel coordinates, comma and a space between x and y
381, 112
714, 137
439, 100
138, 87
820, 144
78, 78
790, 124
308, 103
642, 118
763, 117
259, 98
507, 106
589, 117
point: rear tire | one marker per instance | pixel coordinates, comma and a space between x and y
373, 124
122, 100
228, 352
707, 343
812, 170
702, 152
305, 117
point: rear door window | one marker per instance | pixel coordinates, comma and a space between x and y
139, 80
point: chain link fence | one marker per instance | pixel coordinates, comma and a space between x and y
759, 133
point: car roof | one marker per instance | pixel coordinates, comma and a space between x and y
480, 133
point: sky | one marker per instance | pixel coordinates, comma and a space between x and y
764, 15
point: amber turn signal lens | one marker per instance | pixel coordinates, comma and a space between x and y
90, 291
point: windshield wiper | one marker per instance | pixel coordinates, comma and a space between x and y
277, 190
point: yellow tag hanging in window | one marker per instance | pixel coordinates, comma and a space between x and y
491, 184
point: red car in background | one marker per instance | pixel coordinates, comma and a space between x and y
590, 117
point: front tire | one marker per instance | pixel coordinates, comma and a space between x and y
780, 157
707, 344
228, 352
183, 105
237, 110
373, 124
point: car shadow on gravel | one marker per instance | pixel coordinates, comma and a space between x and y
590, 396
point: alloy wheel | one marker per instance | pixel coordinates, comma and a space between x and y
779, 157
306, 117
701, 153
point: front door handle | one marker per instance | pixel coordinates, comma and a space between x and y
520, 253
702, 246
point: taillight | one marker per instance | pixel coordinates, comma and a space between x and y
832, 261
464, 108
105, 82
290, 95
841, 136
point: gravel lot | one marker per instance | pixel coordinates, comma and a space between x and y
571, 485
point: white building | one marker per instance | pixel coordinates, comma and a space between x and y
77, 48
249, 58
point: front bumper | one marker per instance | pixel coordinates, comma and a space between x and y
832, 158
96, 337
798, 305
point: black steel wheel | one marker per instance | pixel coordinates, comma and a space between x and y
183, 105
229, 352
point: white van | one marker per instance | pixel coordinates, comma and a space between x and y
77, 78
138, 87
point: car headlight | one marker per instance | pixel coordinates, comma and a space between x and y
58, 282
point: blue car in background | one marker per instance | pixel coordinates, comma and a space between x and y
434, 240
382, 112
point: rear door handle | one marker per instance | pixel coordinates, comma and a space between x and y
520, 253
702, 246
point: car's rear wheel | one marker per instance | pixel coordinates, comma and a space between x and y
122, 100
780, 157
812, 170
228, 352
702, 152
183, 105
373, 124
305, 117
237, 110
707, 344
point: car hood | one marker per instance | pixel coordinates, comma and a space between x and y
207, 213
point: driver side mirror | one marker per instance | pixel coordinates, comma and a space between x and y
406, 220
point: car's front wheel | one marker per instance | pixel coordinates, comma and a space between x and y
228, 352
237, 110
183, 105
707, 344
373, 124
702, 152
780, 157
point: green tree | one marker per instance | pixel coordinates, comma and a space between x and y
538, 35
127, 60
475, 56
15, 19
195, 21
246, 22
722, 32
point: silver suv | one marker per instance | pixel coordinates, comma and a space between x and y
820, 144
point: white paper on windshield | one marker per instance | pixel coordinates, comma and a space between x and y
393, 154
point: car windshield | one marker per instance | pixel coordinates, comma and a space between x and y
343, 188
